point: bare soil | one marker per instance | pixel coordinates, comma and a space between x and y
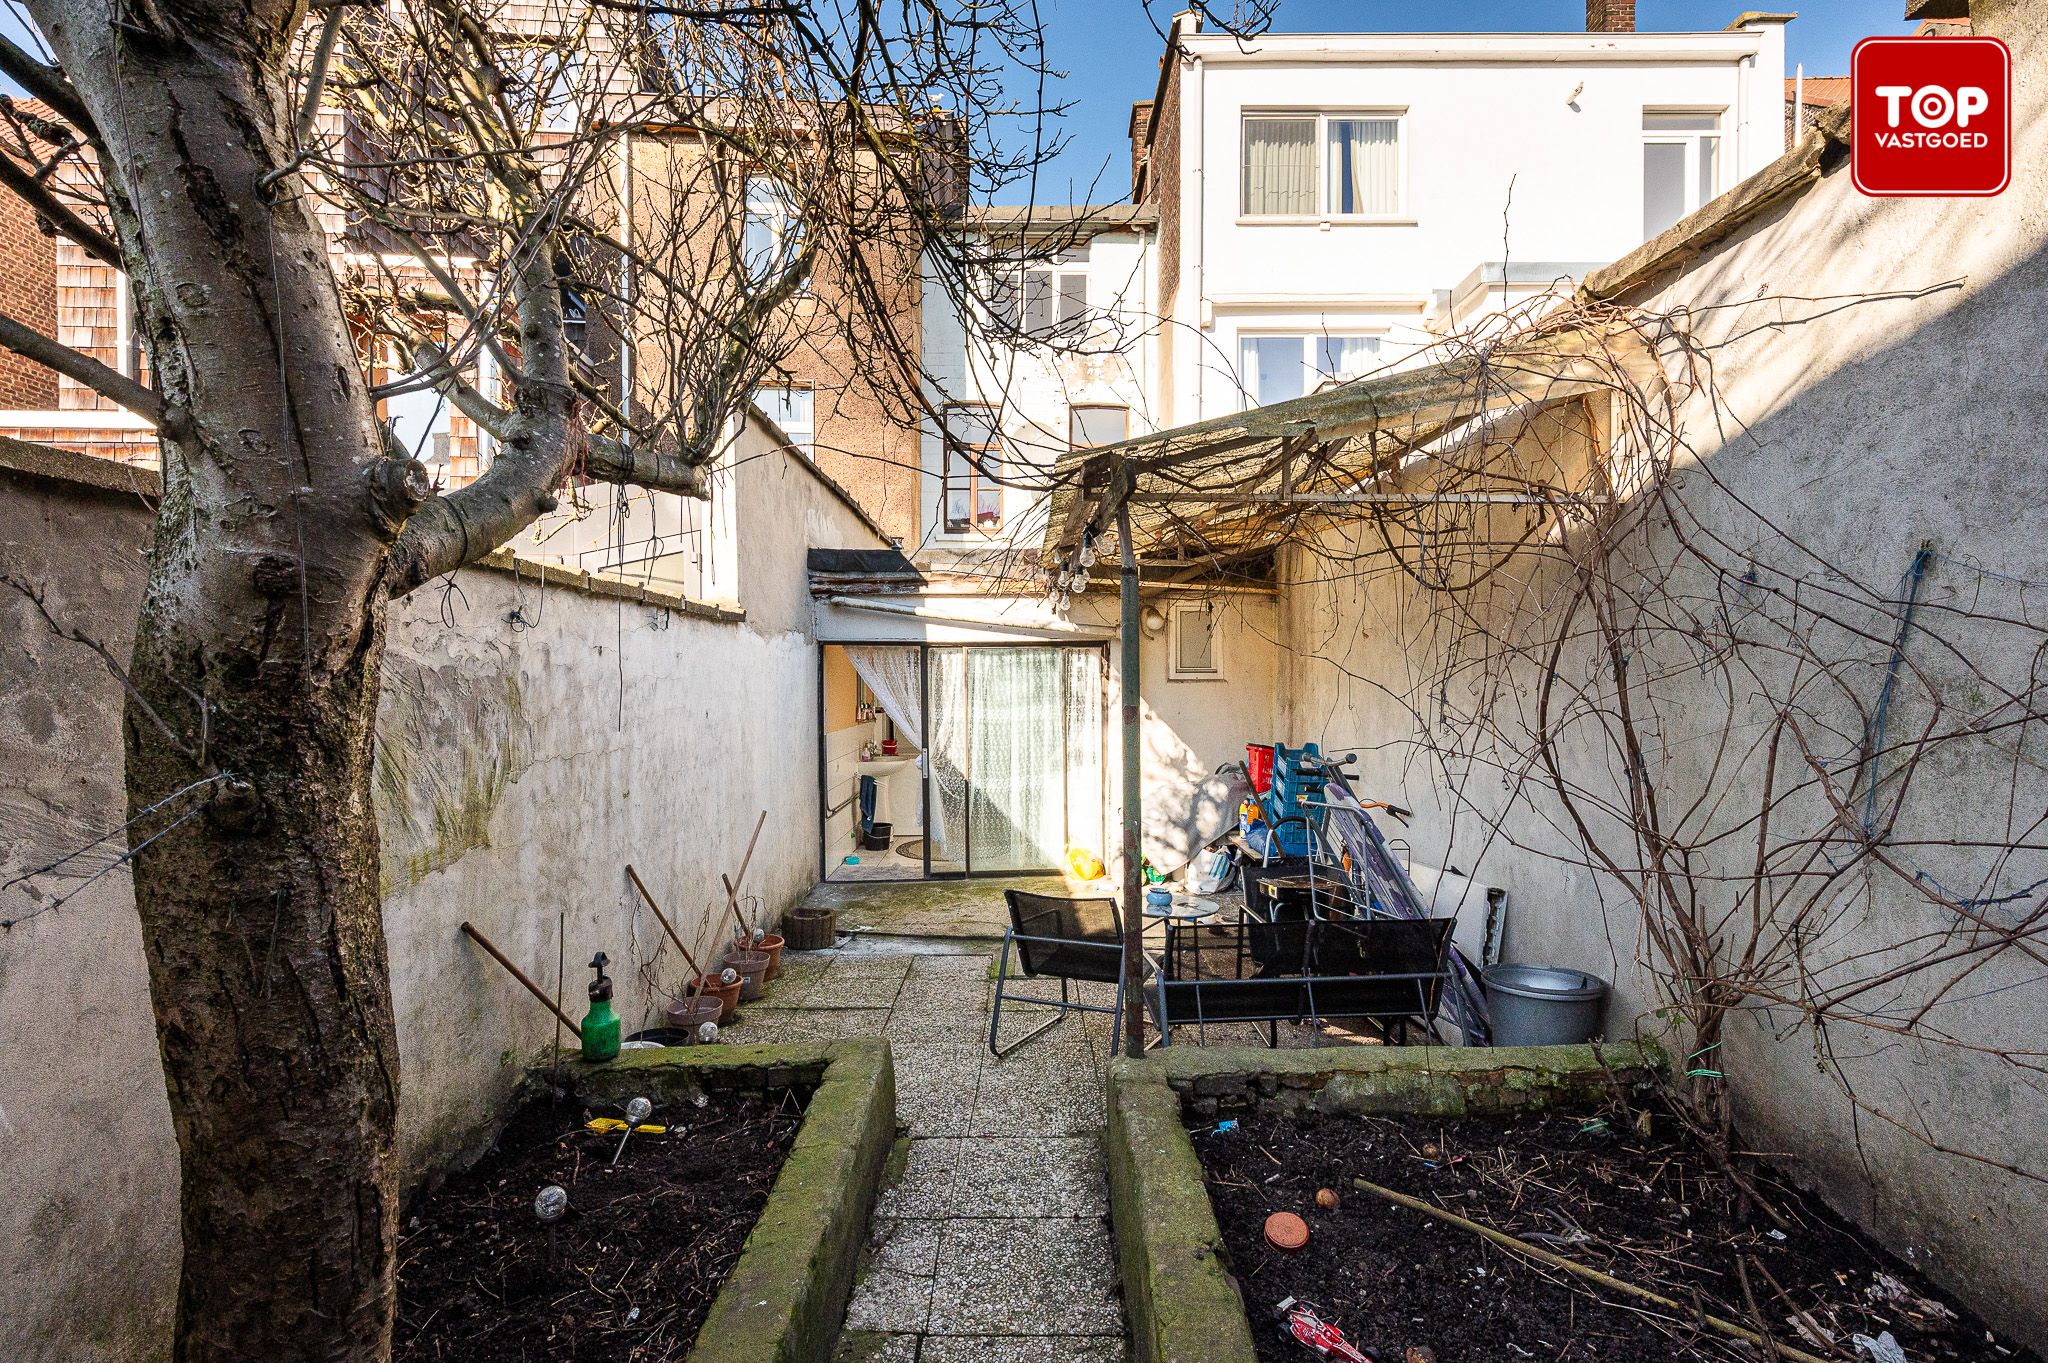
635, 1264
1651, 1210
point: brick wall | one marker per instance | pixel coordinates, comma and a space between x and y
1162, 188
28, 293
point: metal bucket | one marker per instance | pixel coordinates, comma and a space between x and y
1542, 1005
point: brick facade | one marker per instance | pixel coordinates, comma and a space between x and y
28, 293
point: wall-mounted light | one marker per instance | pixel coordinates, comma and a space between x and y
1153, 620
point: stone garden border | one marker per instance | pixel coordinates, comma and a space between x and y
784, 1300
1182, 1303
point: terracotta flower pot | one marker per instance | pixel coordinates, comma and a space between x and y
753, 969
728, 996
771, 945
687, 1014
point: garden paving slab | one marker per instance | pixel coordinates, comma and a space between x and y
935, 1090
894, 1289
913, 1027
1037, 1276
1027, 1176
1023, 1349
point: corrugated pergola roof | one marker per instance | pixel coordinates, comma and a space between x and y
1237, 485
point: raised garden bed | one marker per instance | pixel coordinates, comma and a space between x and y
1651, 1210
734, 1238
1540, 1142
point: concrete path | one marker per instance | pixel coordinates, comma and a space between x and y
993, 1243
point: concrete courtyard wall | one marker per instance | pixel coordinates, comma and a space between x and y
534, 737
1859, 434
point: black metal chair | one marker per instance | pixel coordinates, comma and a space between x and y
1063, 939
1391, 970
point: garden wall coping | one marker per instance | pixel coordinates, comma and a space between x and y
1183, 1304
786, 1296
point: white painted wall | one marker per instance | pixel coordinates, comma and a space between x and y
1481, 111
1033, 390
1861, 433
533, 740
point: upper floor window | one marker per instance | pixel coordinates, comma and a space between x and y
1322, 166
1045, 297
1093, 424
1681, 165
772, 234
542, 82
973, 499
792, 410
1275, 368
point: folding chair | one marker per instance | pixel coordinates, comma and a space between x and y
1063, 939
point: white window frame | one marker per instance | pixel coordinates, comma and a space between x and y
1689, 139
1308, 339
1213, 622
1012, 294
804, 438
781, 218
1074, 408
1400, 214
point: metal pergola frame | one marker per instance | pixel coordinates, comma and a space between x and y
1299, 458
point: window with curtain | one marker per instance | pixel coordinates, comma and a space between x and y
1329, 165
1681, 166
1275, 368
973, 500
1279, 166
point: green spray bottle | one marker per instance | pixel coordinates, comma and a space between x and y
600, 1024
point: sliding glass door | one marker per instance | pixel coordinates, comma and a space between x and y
1016, 756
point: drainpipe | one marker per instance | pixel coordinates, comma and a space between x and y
1134, 875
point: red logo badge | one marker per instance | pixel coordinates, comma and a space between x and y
1931, 116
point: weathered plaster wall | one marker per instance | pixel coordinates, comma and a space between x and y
533, 740
1860, 434
88, 1221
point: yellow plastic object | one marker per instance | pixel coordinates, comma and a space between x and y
612, 1126
1085, 864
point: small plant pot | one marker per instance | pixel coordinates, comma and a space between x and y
685, 1015
811, 929
728, 996
753, 969
771, 947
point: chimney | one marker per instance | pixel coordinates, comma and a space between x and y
1610, 16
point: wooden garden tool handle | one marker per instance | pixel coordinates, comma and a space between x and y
521, 976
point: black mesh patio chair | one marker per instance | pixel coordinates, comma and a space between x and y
1062, 939
1391, 970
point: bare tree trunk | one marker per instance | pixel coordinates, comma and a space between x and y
256, 666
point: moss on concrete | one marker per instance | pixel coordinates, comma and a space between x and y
1184, 1306
785, 1297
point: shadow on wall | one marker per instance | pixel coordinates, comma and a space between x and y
1830, 634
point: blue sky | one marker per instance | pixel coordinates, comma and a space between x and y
1109, 51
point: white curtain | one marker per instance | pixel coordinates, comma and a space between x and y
1279, 166
894, 677
1365, 165
1016, 794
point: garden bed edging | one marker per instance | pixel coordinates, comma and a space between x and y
1183, 1304
785, 1297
